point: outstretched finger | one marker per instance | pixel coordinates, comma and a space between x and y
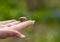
22, 25
12, 23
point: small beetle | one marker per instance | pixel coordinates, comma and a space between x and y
22, 19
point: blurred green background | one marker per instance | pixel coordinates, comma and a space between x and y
45, 12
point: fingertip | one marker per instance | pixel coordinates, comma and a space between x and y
33, 21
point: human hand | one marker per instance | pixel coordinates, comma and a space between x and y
11, 28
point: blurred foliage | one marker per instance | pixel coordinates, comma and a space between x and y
13, 9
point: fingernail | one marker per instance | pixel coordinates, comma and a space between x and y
22, 36
33, 21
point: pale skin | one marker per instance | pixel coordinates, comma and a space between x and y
11, 28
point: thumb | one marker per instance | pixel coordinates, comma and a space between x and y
16, 34
10, 33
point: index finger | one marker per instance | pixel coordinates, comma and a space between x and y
22, 25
